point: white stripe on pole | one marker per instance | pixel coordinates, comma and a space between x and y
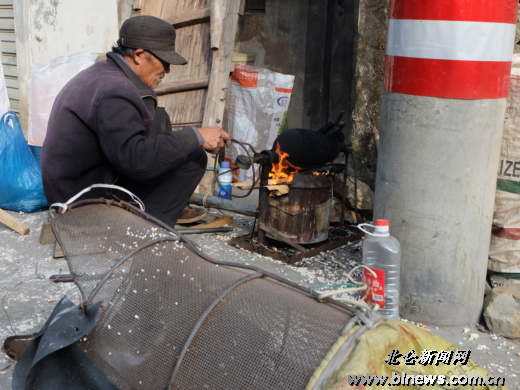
450, 40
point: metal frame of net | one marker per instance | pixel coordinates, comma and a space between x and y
172, 317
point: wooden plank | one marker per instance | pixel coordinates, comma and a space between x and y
217, 90
151, 7
279, 189
270, 182
173, 8
203, 106
190, 18
46, 234
58, 252
6, 3
218, 222
219, 76
138, 5
242, 183
182, 86
184, 108
193, 43
13, 223
218, 8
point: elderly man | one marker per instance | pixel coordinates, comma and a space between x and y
105, 127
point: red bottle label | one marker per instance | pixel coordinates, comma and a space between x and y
376, 286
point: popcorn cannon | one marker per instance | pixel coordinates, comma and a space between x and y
295, 188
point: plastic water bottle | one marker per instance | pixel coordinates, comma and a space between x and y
225, 178
382, 254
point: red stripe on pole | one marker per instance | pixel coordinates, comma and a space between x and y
506, 233
503, 11
447, 78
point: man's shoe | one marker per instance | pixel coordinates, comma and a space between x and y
191, 214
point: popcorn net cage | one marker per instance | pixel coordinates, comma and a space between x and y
172, 317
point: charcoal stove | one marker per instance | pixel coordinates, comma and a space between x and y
295, 225
302, 215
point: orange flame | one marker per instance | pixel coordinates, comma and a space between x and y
320, 173
283, 171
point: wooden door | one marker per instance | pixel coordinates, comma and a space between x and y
195, 93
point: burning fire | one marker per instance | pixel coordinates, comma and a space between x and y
320, 173
283, 171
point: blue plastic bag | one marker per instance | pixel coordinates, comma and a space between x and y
21, 186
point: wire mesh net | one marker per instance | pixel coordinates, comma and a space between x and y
173, 317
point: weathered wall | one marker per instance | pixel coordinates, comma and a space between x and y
369, 74
517, 35
125, 9
289, 38
312, 40
46, 29
337, 59
277, 40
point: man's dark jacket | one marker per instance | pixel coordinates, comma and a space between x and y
101, 127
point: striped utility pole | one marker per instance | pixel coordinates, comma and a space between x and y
447, 73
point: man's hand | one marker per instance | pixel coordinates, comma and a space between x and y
214, 138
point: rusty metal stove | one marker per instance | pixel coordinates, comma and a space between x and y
299, 219
302, 215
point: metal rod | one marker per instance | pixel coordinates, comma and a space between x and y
222, 229
263, 201
205, 314
223, 204
145, 245
62, 278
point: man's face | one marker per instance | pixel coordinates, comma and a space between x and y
151, 70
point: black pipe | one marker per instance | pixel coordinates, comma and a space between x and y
223, 229
223, 204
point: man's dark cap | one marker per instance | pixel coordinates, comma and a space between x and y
152, 34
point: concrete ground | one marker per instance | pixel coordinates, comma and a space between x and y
28, 296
